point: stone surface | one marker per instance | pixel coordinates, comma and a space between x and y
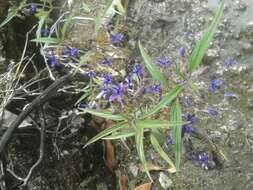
165, 181
133, 169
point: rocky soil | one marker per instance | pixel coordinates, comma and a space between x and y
163, 26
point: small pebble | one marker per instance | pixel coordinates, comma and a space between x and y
165, 181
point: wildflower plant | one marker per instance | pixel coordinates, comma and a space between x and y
134, 112
135, 95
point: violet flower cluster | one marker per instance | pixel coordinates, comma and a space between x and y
54, 60
33, 8
188, 128
202, 159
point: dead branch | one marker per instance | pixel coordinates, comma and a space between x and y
40, 100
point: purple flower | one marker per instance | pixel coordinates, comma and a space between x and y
33, 8
70, 52
212, 111
83, 105
107, 79
169, 140
91, 74
189, 34
215, 84
188, 128
192, 119
117, 38
106, 61
202, 159
118, 93
73, 52
129, 81
229, 96
182, 52
106, 92
164, 61
53, 61
156, 88
137, 70
229, 62
45, 32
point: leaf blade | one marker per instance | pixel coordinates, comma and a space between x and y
201, 47
120, 7
161, 152
9, 17
47, 40
140, 148
170, 96
152, 68
177, 131
105, 114
13, 13
105, 133
154, 124
121, 134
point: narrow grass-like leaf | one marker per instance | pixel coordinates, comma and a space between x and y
13, 13
161, 152
83, 97
154, 124
159, 135
152, 68
42, 15
194, 88
106, 132
140, 148
47, 40
9, 17
203, 44
102, 15
120, 7
176, 116
124, 133
105, 114
165, 100
98, 23
65, 26
86, 7
86, 93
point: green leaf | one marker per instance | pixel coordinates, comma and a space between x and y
105, 114
154, 124
165, 100
86, 93
159, 135
47, 40
124, 133
98, 23
86, 7
65, 26
161, 152
203, 44
106, 132
140, 148
152, 68
194, 88
120, 7
83, 97
176, 116
13, 13
9, 17
42, 17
